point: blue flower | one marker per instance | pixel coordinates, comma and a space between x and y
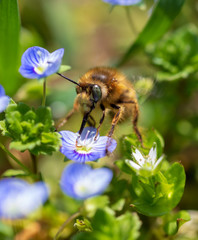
123, 2
80, 181
4, 100
19, 198
37, 62
85, 147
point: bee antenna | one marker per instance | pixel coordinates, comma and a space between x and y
68, 79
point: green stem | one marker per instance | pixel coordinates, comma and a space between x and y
15, 159
72, 217
44, 92
34, 163
130, 20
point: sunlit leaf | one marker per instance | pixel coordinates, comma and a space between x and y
107, 227
174, 221
158, 195
9, 44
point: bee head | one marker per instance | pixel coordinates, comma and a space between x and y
92, 90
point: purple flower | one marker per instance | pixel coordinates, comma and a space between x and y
123, 2
37, 62
4, 100
19, 198
80, 181
85, 147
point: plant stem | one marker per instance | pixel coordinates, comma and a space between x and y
34, 163
130, 20
72, 217
15, 159
44, 92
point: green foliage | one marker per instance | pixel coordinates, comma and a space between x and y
30, 129
6, 231
9, 44
183, 43
83, 225
92, 204
161, 19
172, 222
64, 68
107, 227
14, 173
159, 194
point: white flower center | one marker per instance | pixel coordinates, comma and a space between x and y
41, 68
85, 145
83, 188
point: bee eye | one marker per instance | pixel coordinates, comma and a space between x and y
96, 93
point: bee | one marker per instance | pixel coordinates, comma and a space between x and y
108, 89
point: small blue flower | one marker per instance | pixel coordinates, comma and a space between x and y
85, 147
19, 198
4, 100
80, 181
37, 62
123, 2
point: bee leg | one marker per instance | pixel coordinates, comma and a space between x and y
91, 121
135, 120
74, 109
101, 120
65, 119
115, 120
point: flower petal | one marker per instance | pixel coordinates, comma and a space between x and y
54, 62
158, 161
138, 157
18, 198
56, 55
153, 154
80, 181
34, 56
4, 101
2, 91
100, 146
123, 2
133, 164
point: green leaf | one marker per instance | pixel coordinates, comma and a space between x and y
64, 68
184, 43
118, 206
107, 227
6, 230
123, 166
14, 173
174, 221
30, 129
9, 44
92, 204
160, 21
158, 195
149, 137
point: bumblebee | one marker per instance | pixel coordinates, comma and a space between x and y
108, 89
